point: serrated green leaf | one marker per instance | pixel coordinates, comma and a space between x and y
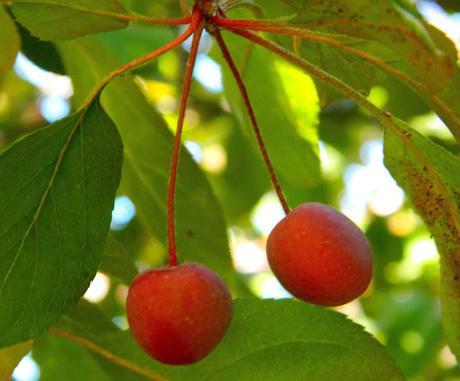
295, 158
200, 226
9, 42
58, 187
431, 177
268, 340
65, 19
116, 262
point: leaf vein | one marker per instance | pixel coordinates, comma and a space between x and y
44, 197
232, 363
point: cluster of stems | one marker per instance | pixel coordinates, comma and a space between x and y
204, 17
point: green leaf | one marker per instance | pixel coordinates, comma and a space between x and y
117, 263
294, 157
10, 358
134, 41
57, 357
345, 37
340, 64
267, 340
431, 177
90, 319
9, 42
229, 183
66, 19
200, 226
58, 187
450, 5
42, 53
415, 313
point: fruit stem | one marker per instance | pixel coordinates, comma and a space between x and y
195, 20
243, 24
313, 71
177, 141
252, 117
385, 119
293, 31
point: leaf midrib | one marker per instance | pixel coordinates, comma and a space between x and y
280, 344
44, 197
109, 355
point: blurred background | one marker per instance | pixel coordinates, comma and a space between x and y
401, 308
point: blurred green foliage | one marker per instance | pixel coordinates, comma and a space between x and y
401, 308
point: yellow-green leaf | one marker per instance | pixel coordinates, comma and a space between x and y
431, 177
66, 19
10, 358
9, 42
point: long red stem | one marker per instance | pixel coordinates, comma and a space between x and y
293, 31
315, 72
269, 26
252, 117
384, 118
177, 144
238, 23
255, 24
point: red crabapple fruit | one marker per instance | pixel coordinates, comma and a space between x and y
179, 314
320, 256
